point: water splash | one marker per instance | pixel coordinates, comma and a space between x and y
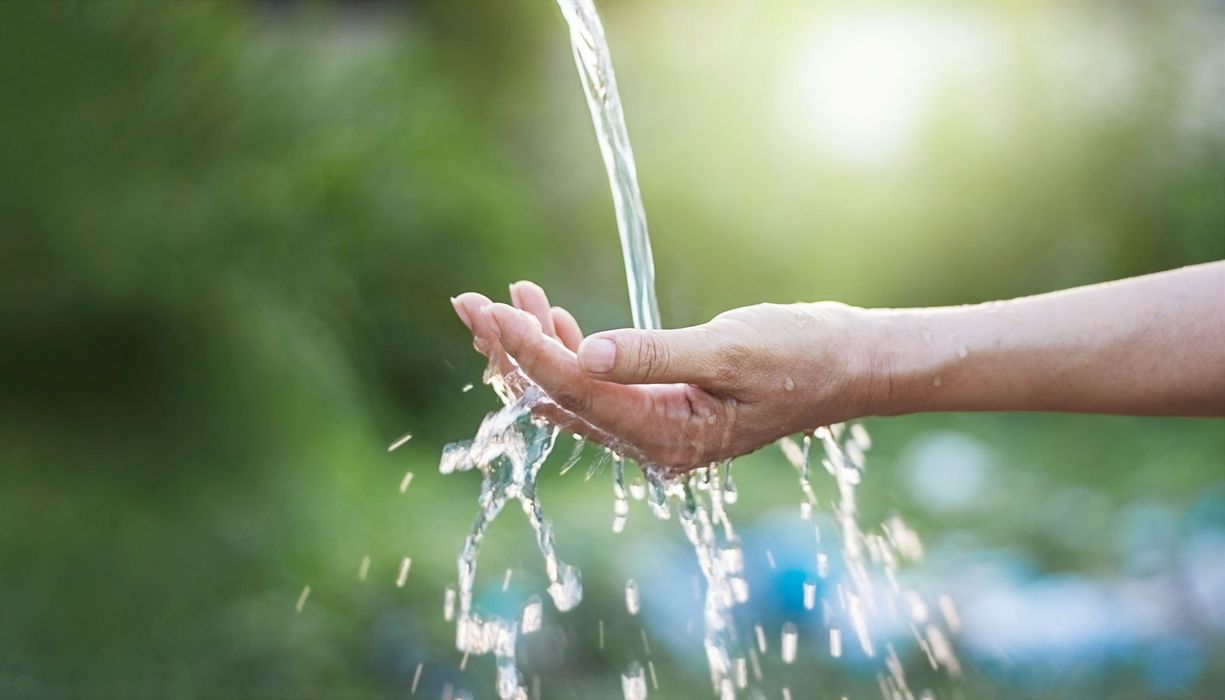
872, 560
509, 448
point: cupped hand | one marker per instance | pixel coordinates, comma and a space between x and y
679, 399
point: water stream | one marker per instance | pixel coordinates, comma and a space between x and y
511, 445
595, 70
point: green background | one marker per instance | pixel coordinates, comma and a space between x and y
230, 232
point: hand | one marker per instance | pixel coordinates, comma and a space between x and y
682, 398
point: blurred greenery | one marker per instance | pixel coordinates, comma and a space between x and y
230, 235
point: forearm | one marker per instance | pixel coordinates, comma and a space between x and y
1152, 345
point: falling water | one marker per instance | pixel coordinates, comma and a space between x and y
509, 449
512, 444
700, 496
595, 69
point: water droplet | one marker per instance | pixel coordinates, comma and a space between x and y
937, 382
533, 612
835, 642
740, 589
918, 608
963, 352
788, 384
860, 435
408, 479
597, 465
631, 596
364, 568
860, 623
567, 590
790, 641
633, 683
467, 387
761, 638
402, 575
574, 455
949, 611
657, 496
506, 580
416, 678
942, 649
810, 595
448, 604
403, 439
306, 591
730, 494
600, 626
770, 559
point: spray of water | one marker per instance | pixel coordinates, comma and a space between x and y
511, 445
509, 449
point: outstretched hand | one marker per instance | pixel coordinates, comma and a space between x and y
681, 398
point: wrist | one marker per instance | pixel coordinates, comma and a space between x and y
892, 348
846, 351
926, 360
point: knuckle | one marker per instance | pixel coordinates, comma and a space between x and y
732, 360
652, 359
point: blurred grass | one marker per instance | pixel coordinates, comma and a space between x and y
231, 234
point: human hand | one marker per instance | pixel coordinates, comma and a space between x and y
679, 399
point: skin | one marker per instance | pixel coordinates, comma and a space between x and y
1151, 345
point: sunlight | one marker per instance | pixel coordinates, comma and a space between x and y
863, 83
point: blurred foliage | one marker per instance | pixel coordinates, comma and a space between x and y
230, 235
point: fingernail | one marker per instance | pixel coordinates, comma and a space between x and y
493, 321
461, 312
514, 294
597, 355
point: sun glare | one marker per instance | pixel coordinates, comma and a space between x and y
861, 84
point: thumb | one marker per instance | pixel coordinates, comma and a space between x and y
686, 355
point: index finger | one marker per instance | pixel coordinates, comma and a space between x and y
618, 409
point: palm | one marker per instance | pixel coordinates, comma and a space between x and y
671, 425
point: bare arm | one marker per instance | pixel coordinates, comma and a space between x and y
1152, 345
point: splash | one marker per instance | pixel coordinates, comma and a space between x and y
875, 598
509, 448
